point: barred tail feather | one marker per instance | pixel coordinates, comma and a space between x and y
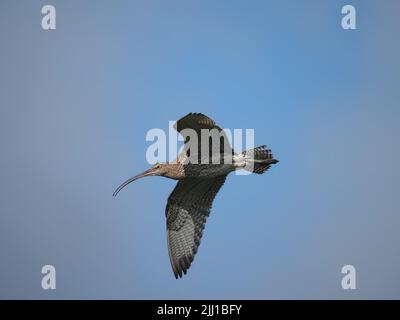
258, 160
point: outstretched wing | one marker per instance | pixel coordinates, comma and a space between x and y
197, 122
187, 210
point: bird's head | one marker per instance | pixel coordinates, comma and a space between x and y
157, 170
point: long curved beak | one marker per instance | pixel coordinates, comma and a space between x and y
141, 175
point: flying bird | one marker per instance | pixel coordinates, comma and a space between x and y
201, 169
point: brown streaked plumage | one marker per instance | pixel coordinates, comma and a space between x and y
199, 180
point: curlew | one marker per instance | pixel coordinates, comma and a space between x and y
200, 172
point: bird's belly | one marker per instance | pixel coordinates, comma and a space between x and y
208, 170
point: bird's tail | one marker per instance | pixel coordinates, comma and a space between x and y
258, 160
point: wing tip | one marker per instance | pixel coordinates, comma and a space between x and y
190, 114
181, 266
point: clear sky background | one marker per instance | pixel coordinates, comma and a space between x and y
77, 102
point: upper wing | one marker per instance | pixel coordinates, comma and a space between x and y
196, 122
187, 210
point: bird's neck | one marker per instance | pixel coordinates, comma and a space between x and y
174, 171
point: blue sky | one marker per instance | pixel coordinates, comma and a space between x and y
76, 105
